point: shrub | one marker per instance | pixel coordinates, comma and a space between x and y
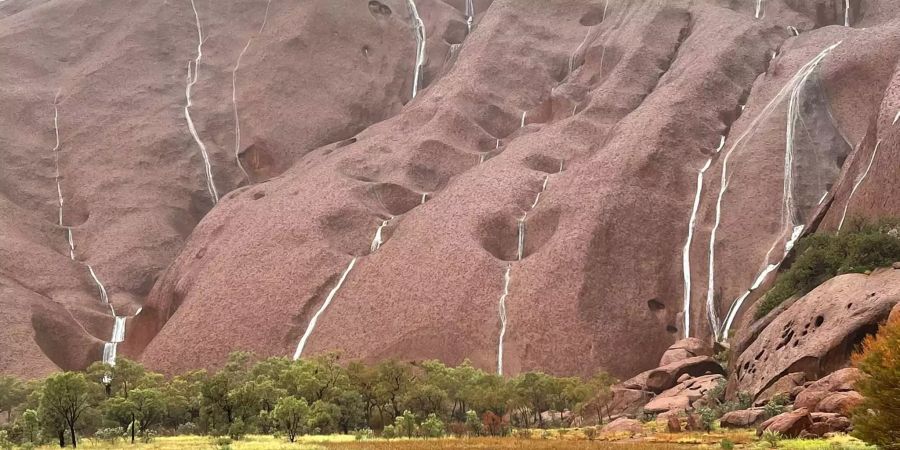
877, 421
708, 417
522, 433
389, 432
363, 434
433, 427
237, 429
5, 443
726, 444
148, 436
590, 433
187, 428
545, 434
772, 438
110, 435
776, 405
861, 247
473, 423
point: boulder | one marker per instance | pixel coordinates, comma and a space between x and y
789, 424
840, 381
817, 334
744, 418
842, 403
895, 313
786, 385
684, 349
666, 377
684, 395
623, 425
824, 423
627, 401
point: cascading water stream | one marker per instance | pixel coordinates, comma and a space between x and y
419, 28
846, 13
503, 318
237, 119
118, 333
686, 252
584, 42
759, 9
857, 184
192, 77
470, 15
792, 88
109, 353
328, 299
524, 115
104, 298
379, 237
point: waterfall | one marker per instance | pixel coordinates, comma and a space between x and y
138, 312
109, 353
824, 195
524, 114
192, 77
502, 307
118, 333
55, 151
520, 248
759, 9
857, 183
793, 86
575, 53
846, 13
686, 252
896, 118
379, 238
470, 15
103, 297
419, 28
71, 240
328, 299
794, 30
424, 198
237, 119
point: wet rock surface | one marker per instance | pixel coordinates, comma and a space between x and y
551, 144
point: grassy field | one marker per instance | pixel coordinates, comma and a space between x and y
570, 440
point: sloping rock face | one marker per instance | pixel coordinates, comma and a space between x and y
817, 334
575, 185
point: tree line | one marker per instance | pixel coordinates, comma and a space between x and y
320, 395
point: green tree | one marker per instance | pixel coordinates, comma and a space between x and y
323, 417
433, 427
31, 426
393, 380
291, 414
12, 394
65, 398
149, 408
406, 424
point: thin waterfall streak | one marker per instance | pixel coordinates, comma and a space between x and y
312, 323
378, 240
759, 9
419, 29
520, 248
470, 15
794, 30
896, 118
237, 119
802, 74
104, 298
71, 238
503, 318
575, 53
857, 184
686, 252
846, 13
425, 196
524, 115
823, 198
265, 18
193, 76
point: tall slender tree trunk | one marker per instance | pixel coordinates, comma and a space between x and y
72, 432
132, 428
62, 438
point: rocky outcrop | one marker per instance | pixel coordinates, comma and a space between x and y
831, 394
666, 377
818, 333
613, 128
789, 424
623, 425
684, 349
744, 418
786, 387
685, 395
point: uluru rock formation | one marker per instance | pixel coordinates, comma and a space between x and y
562, 185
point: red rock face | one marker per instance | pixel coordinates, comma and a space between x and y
528, 209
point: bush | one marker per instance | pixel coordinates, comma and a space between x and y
187, 428
726, 444
5, 443
388, 432
708, 418
590, 433
522, 433
776, 405
110, 435
473, 423
859, 248
877, 421
772, 438
237, 430
433, 427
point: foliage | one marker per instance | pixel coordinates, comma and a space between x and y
110, 435
726, 444
64, 399
776, 405
433, 427
590, 433
877, 421
859, 248
291, 414
707, 417
388, 432
772, 438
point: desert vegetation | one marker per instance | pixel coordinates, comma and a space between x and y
858, 248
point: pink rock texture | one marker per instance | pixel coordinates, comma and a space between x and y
586, 122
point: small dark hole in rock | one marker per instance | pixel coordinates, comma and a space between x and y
378, 8
849, 305
655, 305
819, 321
258, 195
671, 329
200, 253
